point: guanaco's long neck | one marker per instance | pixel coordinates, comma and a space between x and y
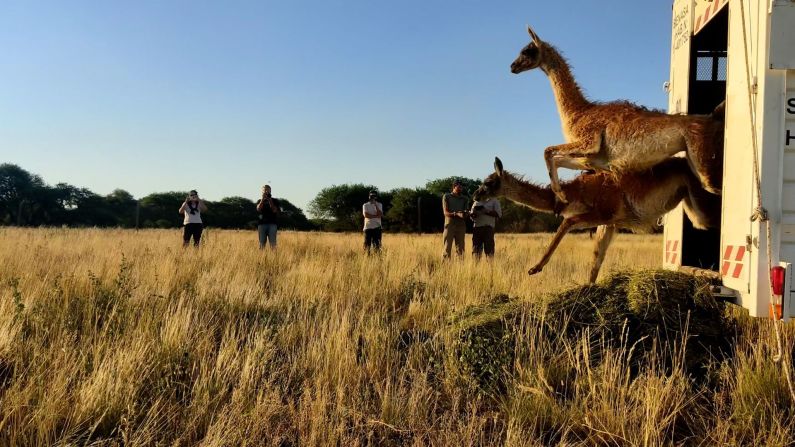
539, 198
568, 95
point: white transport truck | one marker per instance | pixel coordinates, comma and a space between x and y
741, 51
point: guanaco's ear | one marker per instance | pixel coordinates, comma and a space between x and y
497, 166
533, 35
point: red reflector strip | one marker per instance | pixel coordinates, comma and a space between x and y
737, 270
740, 253
737, 260
777, 280
670, 251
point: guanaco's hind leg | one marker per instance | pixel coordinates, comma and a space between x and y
576, 155
564, 228
604, 235
702, 208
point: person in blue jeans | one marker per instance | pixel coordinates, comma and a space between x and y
268, 211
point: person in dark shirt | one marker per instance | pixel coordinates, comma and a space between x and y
268, 211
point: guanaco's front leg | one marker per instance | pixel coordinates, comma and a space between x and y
604, 235
574, 155
564, 228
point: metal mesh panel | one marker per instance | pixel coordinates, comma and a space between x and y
704, 69
722, 68
711, 66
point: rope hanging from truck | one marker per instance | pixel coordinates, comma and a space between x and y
760, 213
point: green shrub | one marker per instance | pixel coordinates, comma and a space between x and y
481, 345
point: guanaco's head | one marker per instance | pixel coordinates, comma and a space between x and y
531, 55
492, 185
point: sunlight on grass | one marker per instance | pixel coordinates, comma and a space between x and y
114, 337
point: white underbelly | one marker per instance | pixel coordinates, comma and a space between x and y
641, 152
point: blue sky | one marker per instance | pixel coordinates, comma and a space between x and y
225, 96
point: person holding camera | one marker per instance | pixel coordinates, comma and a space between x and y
454, 207
268, 211
484, 214
192, 208
372, 211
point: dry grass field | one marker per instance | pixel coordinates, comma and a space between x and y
114, 337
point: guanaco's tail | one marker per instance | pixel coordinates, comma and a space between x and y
719, 114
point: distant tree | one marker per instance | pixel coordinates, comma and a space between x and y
521, 219
293, 218
20, 191
412, 207
443, 185
232, 212
120, 196
122, 204
162, 209
322, 224
342, 205
80, 207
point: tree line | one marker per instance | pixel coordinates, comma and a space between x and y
411, 210
25, 199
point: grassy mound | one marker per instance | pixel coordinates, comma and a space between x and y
674, 312
671, 314
481, 344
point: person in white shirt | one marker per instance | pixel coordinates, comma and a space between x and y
192, 209
485, 214
372, 211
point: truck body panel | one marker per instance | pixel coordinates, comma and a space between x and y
754, 43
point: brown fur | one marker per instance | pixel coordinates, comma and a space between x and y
633, 201
620, 136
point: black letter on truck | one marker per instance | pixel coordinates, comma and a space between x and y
789, 137
791, 105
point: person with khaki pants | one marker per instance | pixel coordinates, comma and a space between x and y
454, 206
